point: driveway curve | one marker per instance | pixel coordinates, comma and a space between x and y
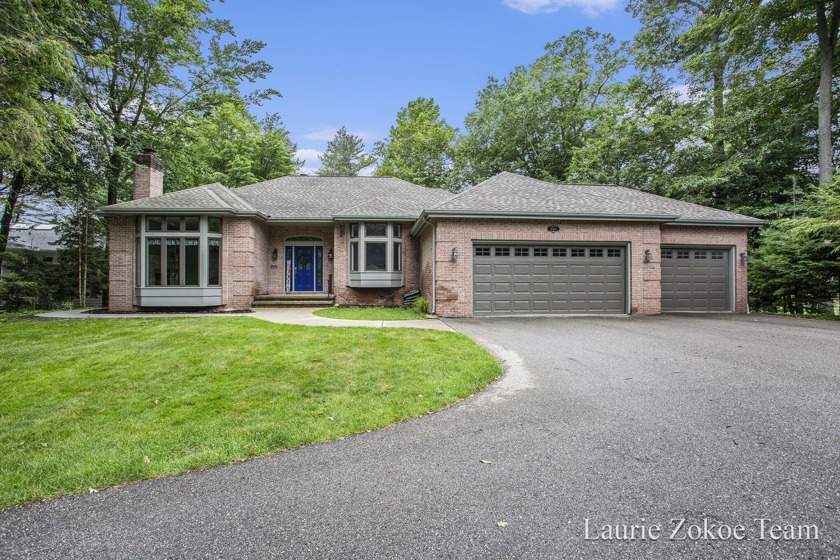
719, 421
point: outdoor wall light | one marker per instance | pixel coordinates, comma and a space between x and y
743, 256
274, 254
454, 254
330, 254
648, 255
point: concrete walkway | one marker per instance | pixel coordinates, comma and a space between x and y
282, 315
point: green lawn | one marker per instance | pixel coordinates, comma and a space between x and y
89, 404
371, 313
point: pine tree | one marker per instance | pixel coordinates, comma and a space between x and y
345, 156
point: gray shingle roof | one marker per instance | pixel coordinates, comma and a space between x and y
326, 197
214, 197
512, 194
301, 198
34, 237
298, 198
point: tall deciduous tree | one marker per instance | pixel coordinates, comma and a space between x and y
419, 148
533, 121
147, 64
227, 145
345, 155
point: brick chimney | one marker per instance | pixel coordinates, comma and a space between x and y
148, 175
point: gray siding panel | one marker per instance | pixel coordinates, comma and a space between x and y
695, 279
547, 279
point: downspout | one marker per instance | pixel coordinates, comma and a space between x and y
434, 266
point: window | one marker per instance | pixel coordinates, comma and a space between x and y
557, 252
375, 255
596, 252
397, 265
191, 246
502, 251
179, 251
376, 229
214, 262
521, 252
700, 255
482, 251
154, 267
578, 252
717, 255
667, 254
540, 251
354, 256
173, 261
375, 247
682, 254
613, 252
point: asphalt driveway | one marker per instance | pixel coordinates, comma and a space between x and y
716, 420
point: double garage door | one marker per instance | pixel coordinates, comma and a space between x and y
696, 279
537, 279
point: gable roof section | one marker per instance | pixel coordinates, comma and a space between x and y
325, 198
517, 196
214, 198
297, 199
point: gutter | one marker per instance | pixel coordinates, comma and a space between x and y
754, 222
552, 215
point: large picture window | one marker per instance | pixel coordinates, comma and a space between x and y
179, 251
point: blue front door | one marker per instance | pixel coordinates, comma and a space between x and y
304, 269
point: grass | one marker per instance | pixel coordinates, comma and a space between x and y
90, 404
371, 313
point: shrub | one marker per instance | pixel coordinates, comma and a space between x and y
422, 305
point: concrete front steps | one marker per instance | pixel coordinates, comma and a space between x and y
293, 300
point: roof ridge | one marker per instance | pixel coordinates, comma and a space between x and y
229, 191
215, 197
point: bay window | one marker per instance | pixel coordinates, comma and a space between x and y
179, 261
375, 255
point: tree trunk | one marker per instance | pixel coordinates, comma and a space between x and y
114, 177
15, 192
827, 40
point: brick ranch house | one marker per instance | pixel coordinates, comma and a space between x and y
510, 245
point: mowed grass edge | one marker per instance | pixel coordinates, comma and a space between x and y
371, 313
91, 404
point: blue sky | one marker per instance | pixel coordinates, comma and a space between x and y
356, 63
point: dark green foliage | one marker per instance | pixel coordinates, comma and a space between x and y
29, 282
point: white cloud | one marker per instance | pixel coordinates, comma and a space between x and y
309, 155
328, 133
589, 7
683, 92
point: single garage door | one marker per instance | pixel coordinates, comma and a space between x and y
531, 279
695, 279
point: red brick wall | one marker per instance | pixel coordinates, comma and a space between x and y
241, 238
425, 259
453, 293
148, 176
121, 263
716, 236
